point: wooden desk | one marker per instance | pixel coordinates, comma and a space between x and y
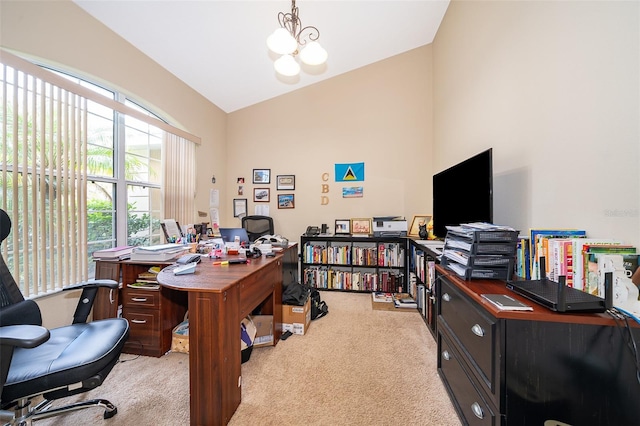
218, 298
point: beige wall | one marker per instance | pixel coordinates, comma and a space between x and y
553, 87
379, 115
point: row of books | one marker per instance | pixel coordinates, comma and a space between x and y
391, 255
571, 253
320, 277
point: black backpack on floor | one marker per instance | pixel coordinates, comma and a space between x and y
319, 307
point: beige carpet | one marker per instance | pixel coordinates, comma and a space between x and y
356, 366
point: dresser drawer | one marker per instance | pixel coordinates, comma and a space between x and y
469, 399
144, 328
474, 331
141, 298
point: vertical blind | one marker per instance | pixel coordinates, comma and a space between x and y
43, 173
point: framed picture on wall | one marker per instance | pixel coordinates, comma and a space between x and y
261, 175
286, 201
285, 182
261, 195
343, 227
361, 226
239, 207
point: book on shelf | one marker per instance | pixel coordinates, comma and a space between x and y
600, 258
148, 281
504, 302
144, 285
404, 300
539, 247
155, 269
577, 250
382, 297
147, 275
113, 253
523, 258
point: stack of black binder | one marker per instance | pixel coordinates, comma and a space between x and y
480, 250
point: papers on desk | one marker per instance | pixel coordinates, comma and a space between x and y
158, 253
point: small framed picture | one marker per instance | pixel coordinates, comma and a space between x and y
418, 221
343, 227
286, 201
361, 226
285, 182
261, 175
239, 207
261, 195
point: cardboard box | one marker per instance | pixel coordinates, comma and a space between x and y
264, 330
296, 319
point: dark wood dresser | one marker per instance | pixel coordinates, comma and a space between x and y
535, 367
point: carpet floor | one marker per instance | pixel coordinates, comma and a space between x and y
356, 366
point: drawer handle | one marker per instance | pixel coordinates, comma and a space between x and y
477, 330
137, 321
446, 355
138, 299
446, 297
477, 410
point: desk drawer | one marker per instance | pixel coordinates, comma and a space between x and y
141, 298
256, 288
469, 399
474, 331
144, 329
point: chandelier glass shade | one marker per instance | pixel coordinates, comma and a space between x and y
291, 40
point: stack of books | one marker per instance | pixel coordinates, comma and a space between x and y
480, 250
158, 253
147, 280
114, 253
404, 301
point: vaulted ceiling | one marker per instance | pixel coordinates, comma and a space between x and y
219, 47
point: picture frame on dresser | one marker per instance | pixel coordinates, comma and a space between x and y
416, 222
361, 226
342, 227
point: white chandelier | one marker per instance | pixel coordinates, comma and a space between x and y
289, 39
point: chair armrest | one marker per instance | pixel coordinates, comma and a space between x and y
89, 292
23, 336
25, 312
92, 284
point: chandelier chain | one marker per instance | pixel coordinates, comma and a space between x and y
292, 23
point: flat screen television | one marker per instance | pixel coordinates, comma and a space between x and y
463, 193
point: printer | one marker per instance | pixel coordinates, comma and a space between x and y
389, 226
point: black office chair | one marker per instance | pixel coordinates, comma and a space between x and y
52, 363
257, 226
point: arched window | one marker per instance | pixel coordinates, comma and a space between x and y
82, 168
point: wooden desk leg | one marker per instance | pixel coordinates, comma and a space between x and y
214, 356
